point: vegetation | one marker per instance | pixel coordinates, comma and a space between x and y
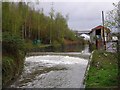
103, 70
34, 26
104, 67
113, 21
30, 24
25, 29
113, 18
92, 47
13, 57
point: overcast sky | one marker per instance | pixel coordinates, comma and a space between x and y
82, 15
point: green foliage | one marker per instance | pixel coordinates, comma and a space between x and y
92, 47
12, 43
28, 45
11, 20
70, 35
13, 56
113, 17
7, 64
103, 71
28, 23
56, 45
11, 67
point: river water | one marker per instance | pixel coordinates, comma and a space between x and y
54, 70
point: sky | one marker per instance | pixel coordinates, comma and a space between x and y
83, 14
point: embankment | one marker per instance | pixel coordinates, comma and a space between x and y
13, 54
11, 68
103, 71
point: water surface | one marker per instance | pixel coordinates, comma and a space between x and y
54, 70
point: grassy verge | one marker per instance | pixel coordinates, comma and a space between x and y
11, 68
103, 70
13, 54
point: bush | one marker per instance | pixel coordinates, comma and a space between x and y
8, 69
12, 43
56, 45
28, 45
92, 47
13, 57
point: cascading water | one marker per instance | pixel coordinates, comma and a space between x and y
54, 70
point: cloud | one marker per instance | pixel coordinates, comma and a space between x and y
82, 15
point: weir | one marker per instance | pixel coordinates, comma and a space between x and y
53, 70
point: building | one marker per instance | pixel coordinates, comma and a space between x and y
97, 37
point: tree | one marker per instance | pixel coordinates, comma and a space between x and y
30, 24
113, 17
113, 21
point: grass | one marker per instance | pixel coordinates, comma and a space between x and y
11, 68
103, 70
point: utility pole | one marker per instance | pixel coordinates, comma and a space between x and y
103, 30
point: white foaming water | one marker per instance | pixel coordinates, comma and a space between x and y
55, 59
54, 70
49, 71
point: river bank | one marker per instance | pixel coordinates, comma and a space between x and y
13, 54
103, 71
66, 46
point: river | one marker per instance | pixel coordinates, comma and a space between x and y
54, 70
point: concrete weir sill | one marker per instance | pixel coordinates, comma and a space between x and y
87, 69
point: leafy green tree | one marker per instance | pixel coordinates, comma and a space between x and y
113, 17
23, 20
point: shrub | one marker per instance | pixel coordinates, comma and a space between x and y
13, 57
12, 43
92, 47
8, 69
56, 45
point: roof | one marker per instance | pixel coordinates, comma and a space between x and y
99, 27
